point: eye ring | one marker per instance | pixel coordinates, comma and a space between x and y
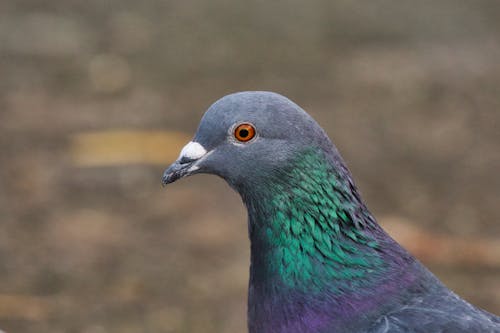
244, 132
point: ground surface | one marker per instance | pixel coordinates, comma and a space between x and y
91, 243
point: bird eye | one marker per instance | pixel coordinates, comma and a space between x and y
244, 132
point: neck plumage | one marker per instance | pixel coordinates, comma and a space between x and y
316, 252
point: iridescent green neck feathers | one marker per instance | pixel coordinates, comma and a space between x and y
310, 231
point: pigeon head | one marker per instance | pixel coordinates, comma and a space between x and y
247, 136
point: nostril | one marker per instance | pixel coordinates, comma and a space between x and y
185, 160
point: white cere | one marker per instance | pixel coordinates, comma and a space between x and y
193, 151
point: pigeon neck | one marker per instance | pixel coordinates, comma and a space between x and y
311, 235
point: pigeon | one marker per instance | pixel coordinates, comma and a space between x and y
320, 262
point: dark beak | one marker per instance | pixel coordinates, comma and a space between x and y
186, 164
177, 170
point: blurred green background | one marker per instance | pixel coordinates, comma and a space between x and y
97, 97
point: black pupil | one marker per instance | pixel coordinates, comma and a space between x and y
244, 133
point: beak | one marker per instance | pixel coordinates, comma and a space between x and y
186, 164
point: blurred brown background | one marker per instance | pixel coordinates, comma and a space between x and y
97, 97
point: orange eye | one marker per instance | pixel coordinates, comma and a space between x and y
244, 132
